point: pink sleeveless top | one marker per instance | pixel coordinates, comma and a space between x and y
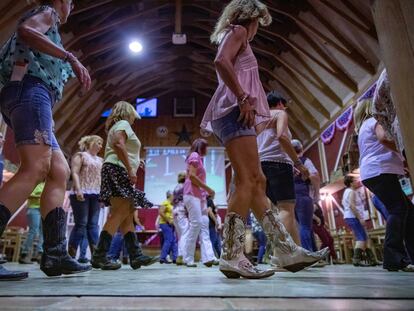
223, 100
90, 173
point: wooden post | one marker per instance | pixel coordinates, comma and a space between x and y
324, 163
178, 14
394, 21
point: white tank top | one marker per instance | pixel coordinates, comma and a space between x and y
376, 159
269, 147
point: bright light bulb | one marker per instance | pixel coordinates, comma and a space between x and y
135, 47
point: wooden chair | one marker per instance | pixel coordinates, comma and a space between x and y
14, 237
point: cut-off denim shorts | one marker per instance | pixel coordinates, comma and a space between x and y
26, 107
227, 128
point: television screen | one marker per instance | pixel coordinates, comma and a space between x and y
147, 108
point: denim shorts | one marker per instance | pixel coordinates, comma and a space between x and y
26, 107
227, 128
280, 185
357, 229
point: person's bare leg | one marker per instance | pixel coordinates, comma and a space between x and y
287, 216
127, 225
53, 193
35, 161
120, 210
55, 259
242, 152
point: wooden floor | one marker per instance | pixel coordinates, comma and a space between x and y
168, 287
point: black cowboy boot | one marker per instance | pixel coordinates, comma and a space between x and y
55, 258
6, 275
371, 258
100, 259
357, 259
136, 257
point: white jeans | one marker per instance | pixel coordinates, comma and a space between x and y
193, 206
206, 248
181, 227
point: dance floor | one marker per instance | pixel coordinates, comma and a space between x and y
168, 287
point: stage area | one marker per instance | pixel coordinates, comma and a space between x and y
162, 287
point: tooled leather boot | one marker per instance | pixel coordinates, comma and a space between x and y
289, 255
55, 259
233, 263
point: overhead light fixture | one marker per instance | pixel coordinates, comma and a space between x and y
135, 46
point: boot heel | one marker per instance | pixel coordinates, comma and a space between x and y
52, 272
231, 274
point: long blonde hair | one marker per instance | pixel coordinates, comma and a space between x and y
86, 141
240, 12
363, 111
122, 110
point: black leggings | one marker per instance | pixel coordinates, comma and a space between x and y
399, 235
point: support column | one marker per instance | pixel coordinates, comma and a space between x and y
394, 21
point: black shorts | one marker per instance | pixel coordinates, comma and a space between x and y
280, 185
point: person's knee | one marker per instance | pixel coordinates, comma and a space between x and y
38, 169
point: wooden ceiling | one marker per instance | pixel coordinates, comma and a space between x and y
319, 53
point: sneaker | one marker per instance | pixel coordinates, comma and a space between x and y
191, 265
165, 261
179, 261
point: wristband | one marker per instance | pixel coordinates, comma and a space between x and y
69, 57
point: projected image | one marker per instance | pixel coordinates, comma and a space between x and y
147, 108
164, 164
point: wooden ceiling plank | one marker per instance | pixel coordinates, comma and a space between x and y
115, 24
367, 29
349, 52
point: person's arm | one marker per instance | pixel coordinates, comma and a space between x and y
119, 144
32, 33
281, 128
137, 220
76, 167
212, 216
192, 174
233, 43
317, 219
383, 139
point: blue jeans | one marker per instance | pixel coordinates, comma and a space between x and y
35, 230
380, 207
170, 242
304, 216
117, 246
26, 107
215, 241
228, 127
86, 216
83, 246
260, 236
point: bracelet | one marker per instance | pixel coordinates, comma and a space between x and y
242, 99
298, 163
69, 57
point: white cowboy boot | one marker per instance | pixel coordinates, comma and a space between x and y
233, 262
289, 255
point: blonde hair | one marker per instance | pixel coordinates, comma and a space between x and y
122, 110
86, 141
363, 111
240, 12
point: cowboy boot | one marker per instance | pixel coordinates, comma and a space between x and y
6, 275
55, 259
371, 258
100, 260
136, 257
233, 262
289, 255
358, 258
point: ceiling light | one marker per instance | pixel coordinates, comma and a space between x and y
135, 46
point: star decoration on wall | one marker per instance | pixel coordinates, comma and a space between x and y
184, 136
